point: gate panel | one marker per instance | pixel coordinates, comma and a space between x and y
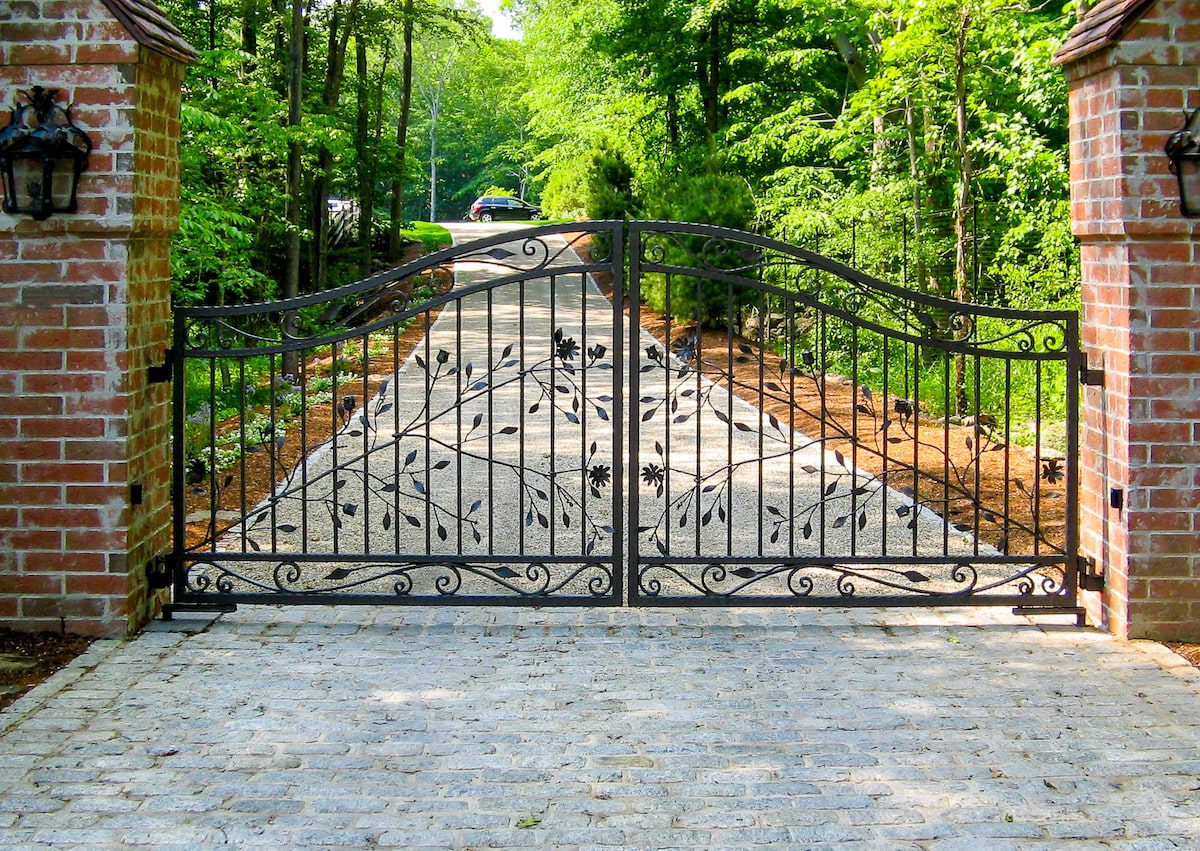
802, 434
450, 431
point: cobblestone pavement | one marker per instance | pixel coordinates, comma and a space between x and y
398, 727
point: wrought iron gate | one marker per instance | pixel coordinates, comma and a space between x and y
745, 423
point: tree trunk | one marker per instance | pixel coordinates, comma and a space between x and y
962, 204
395, 241
366, 178
673, 123
713, 119
367, 203
914, 173
250, 27
335, 67
291, 285
433, 119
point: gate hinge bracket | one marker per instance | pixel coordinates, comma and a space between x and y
160, 373
158, 572
1089, 377
1089, 579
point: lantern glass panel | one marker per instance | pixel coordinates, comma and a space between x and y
1188, 170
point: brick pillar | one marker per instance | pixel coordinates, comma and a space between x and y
1130, 79
84, 310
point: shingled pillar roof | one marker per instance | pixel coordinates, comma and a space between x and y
1101, 26
150, 28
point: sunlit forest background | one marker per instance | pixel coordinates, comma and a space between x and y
922, 140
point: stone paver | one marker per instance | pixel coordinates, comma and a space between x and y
409, 728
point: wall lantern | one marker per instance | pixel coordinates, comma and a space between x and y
42, 154
1184, 150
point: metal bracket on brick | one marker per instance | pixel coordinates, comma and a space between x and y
158, 572
160, 373
1089, 579
1089, 377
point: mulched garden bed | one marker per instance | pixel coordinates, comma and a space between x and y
28, 658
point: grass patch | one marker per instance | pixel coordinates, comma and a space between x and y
431, 236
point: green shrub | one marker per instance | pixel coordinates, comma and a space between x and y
565, 195
609, 188
710, 197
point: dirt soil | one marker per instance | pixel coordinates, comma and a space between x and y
945, 486
1191, 652
28, 658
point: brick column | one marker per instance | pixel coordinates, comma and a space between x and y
1132, 69
84, 310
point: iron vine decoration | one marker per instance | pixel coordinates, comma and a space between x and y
557, 385
795, 278
855, 495
407, 497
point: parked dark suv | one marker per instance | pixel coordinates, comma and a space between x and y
494, 207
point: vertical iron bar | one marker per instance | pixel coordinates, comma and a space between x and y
946, 454
366, 459
395, 436
242, 447
1072, 364
633, 574
886, 414
916, 405
553, 410
521, 424
212, 452
617, 253
978, 451
491, 456
824, 367
178, 458
699, 359
276, 446
790, 362
667, 416
584, 413
1007, 447
302, 362
729, 421
333, 350
1037, 459
458, 403
428, 442
855, 393
762, 365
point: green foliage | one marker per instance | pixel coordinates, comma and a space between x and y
566, 191
713, 197
609, 186
231, 244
